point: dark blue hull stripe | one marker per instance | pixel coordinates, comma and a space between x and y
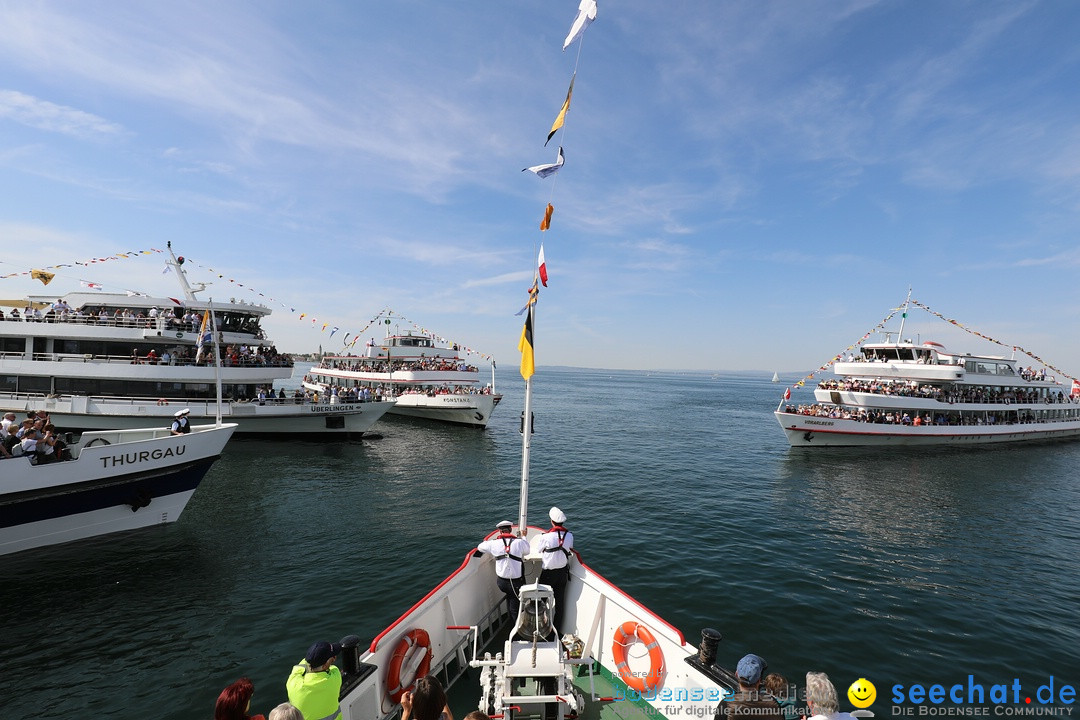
134, 489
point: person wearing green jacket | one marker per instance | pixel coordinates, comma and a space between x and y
315, 683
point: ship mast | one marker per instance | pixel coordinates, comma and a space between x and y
175, 264
903, 318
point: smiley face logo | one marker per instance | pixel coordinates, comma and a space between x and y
862, 693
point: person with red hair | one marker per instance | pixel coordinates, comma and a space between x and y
234, 702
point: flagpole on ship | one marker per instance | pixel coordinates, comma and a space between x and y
217, 363
526, 415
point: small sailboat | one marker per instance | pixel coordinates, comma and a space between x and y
775, 377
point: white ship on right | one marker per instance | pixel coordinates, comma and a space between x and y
900, 392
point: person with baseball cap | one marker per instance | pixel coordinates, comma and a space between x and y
315, 683
556, 547
509, 551
749, 701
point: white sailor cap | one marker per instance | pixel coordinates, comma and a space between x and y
505, 524
557, 516
180, 413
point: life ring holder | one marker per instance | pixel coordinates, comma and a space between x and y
98, 441
628, 632
395, 684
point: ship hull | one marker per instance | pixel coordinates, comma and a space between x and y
811, 431
286, 418
120, 480
471, 410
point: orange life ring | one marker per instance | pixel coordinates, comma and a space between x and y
394, 682
623, 639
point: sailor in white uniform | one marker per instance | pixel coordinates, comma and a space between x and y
509, 551
556, 546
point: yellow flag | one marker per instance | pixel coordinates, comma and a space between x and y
44, 277
525, 345
562, 113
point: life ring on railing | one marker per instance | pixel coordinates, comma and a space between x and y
396, 684
627, 633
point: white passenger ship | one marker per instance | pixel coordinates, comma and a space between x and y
115, 480
103, 361
904, 393
426, 380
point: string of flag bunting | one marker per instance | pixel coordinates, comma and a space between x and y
916, 303
46, 277
586, 13
849, 348
976, 333
334, 329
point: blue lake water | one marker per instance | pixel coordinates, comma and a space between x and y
901, 566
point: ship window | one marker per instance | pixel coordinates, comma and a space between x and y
13, 345
8, 382
73, 386
35, 384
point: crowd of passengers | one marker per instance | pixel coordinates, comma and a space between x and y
382, 366
335, 394
890, 417
231, 356
1029, 373
60, 311
447, 390
338, 393
953, 394
35, 438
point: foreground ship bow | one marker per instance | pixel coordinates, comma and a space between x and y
618, 658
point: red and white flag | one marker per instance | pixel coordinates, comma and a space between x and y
787, 394
1075, 389
543, 266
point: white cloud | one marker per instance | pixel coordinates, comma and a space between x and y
44, 115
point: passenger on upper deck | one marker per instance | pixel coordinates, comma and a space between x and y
315, 683
426, 702
285, 711
749, 701
785, 694
821, 698
235, 700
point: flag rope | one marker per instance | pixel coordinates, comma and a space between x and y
34, 272
976, 333
916, 303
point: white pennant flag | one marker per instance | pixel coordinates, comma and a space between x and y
549, 169
586, 13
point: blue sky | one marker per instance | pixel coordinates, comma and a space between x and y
748, 185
